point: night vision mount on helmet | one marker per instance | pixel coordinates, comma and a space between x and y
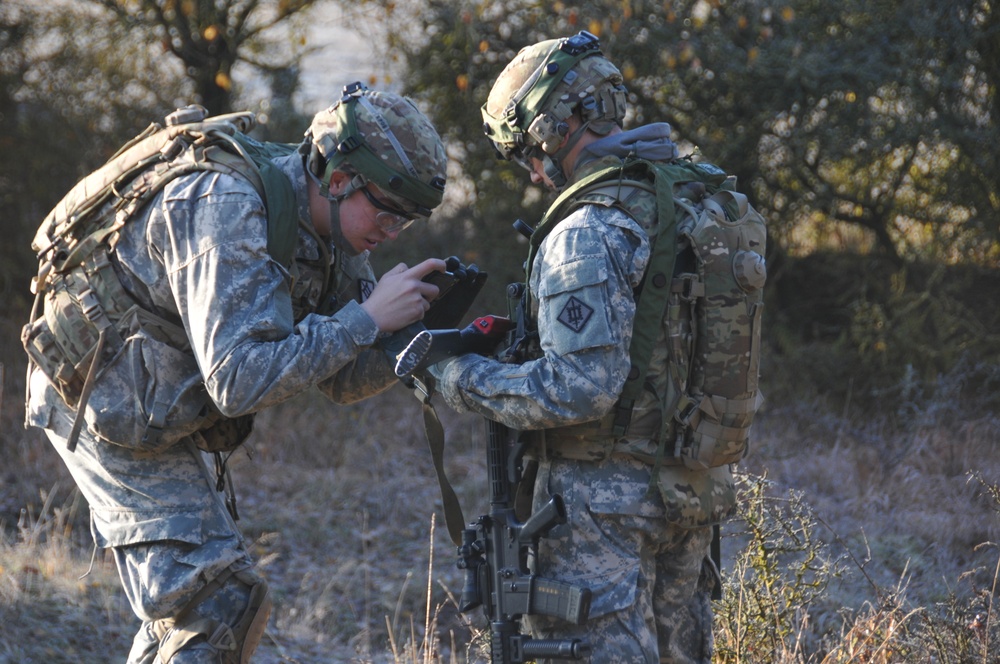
526, 112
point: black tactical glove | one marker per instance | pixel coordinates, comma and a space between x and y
482, 336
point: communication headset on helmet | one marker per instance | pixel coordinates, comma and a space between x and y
532, 121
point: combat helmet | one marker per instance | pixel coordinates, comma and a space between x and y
381, 138
525, 114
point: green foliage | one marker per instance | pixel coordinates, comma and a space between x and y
781, 571
776, 606
79, 79
864, 333
210, 40
858, 115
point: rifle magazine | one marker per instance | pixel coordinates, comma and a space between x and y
560, 600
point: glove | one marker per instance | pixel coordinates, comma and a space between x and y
429, 347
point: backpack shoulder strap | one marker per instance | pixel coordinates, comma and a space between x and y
103, 201
561, 207
277, 193
654, 291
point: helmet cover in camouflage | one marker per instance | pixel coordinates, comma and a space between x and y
386, 139
543, 85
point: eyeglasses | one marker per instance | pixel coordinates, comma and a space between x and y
390, 220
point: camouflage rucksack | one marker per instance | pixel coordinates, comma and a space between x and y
704, 282
82, 313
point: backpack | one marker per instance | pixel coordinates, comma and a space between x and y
82, 313
704, 281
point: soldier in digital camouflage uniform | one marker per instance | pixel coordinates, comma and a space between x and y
220, 327
557, 109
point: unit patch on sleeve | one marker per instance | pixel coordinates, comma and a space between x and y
575, 314
365, 288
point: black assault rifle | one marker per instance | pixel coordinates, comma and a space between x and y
494, 555
495, 549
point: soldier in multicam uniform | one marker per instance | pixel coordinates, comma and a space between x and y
557, 109
246, 334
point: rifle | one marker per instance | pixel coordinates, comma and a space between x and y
494, 554
494, 550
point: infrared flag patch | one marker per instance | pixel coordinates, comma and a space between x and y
575, 314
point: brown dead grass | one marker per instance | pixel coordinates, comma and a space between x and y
339, 504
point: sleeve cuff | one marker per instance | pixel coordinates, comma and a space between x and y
450, 374
358, 324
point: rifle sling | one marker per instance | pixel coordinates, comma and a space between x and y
453, 517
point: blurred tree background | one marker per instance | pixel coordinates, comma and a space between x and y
78, 79
864, 130
861, 129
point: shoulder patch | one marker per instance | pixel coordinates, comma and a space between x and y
575, 314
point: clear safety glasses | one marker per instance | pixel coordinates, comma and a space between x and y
388, 219
523, 156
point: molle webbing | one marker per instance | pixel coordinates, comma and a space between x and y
658, 280
703, 281
82, 311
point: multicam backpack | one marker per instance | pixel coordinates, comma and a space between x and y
82, 314
704, 283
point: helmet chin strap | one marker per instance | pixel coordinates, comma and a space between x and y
553, 163
336, 232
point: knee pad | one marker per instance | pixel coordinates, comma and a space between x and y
236, 642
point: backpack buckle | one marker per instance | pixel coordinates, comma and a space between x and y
688, 287
623, 417
686, 409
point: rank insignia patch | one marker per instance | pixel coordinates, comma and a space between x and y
575, 314
365, 288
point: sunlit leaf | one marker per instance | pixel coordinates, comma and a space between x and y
223, 81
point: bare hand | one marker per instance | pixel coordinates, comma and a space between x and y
400, 297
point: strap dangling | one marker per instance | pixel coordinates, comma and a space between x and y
435, 441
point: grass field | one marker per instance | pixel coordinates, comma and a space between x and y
858, 540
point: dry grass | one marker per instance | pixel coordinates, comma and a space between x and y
889, 557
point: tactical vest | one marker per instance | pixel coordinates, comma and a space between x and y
692, 390
83, 316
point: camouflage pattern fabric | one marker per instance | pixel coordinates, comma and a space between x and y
656, 607
584, 275
199, 256
386, 125
650, 602
594, 76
